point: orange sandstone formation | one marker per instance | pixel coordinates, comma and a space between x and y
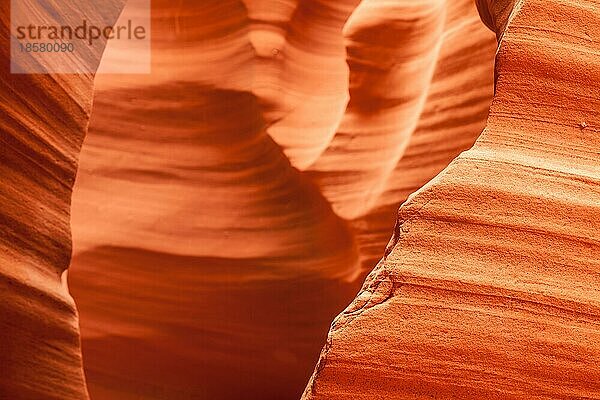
389, 82
453, 115
43, 119
228, 204
304, 91
177, 170
212, 243
488, 287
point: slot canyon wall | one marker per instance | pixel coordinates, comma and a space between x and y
43, 120
489, 286
229, 205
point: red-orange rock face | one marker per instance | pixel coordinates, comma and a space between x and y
488, 286
43, 119
229, 205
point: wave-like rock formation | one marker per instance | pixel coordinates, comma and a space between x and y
43, 119
488, 288
228, 205
205, 265
214, 234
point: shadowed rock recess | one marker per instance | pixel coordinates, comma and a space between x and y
489, 286
229, 204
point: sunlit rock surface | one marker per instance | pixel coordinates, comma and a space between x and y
488, 288
229, 205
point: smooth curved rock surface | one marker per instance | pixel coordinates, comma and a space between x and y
488, 288
227, 205
43, 120
178, 169
209, 255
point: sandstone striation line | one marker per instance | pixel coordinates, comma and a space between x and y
488, 288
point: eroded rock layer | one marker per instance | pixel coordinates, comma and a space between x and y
488, 288
43, 119
177, 169
214, 234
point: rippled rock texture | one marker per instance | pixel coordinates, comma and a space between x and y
229, 205
43, 119
488, 288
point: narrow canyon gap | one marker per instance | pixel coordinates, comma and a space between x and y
229, 205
